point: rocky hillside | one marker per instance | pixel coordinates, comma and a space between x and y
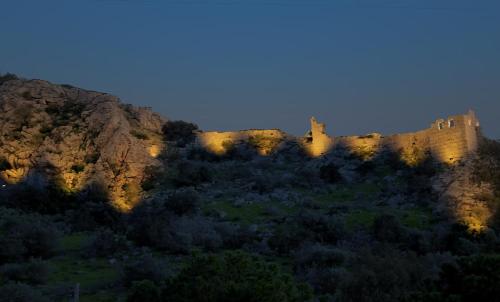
76, 137
464, 197
351, 225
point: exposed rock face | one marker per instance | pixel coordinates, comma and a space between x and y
78, 137
463, 198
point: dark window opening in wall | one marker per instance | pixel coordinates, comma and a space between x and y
451, 123
440, 125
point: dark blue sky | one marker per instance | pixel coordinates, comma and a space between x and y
358, 65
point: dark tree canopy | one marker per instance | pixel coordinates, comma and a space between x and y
179, 131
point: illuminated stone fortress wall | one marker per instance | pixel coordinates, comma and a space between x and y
447, 140
266, 141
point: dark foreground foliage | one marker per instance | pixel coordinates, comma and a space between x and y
241, 227
233, 276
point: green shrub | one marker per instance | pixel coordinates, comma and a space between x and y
24, 236
387, 228
234, 276
183, 202
191, 174
144, 267
32, 197
307, 226
93, 215
144, 290
388, 275
106, 243
475, 278
179, 131
62, 115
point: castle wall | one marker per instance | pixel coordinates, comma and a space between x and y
363, 146
454, 138
447, 140
219, 142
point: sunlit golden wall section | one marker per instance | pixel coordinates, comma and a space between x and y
318, 143
454, 138
447, 140
364, 147
264, 141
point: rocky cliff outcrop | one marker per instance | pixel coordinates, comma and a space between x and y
76, 137
463, 198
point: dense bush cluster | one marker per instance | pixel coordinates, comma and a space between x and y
175, 225
306, 227
32, 195
233, 276
180, 132
26, 236
26, 240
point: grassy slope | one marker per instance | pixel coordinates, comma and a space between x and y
356, 212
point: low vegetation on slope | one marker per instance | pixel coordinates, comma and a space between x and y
252, 228
246, 227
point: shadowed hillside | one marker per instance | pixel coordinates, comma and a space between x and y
123, 205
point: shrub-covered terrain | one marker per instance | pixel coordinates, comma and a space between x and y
244, 227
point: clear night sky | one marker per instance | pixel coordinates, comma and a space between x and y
359, 65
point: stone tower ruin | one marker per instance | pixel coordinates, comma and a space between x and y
318, 141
